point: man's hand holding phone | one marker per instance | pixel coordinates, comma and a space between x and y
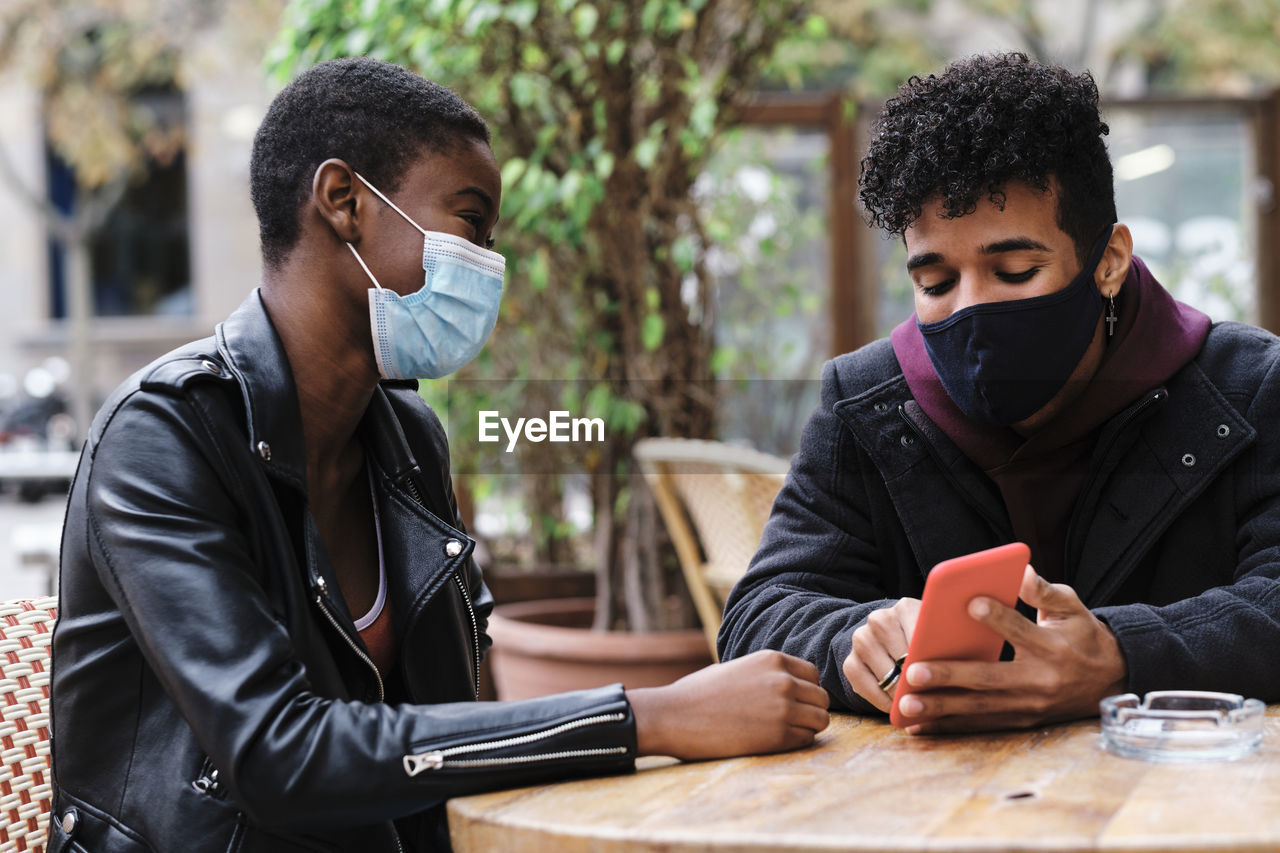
878, 644
1064, 663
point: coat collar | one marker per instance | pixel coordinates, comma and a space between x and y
917, 462
255, 355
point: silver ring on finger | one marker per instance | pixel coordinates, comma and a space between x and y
890, 679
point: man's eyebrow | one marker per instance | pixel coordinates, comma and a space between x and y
1014, 244
924, 260
479, 193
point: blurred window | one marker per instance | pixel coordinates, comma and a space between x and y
766, 194
1182, 174
140, 258
778, 198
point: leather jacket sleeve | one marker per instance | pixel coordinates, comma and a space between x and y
164, 531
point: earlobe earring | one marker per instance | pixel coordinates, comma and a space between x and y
1111, 317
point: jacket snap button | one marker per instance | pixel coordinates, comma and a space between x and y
264, 450
453, 547
69, 822
1188, 460
211, 367
907, 441
881, 407
1223, 430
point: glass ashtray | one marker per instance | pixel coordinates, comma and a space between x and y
1182, 725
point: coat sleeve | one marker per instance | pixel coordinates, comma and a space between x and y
1220, 639
166, 542
817, 573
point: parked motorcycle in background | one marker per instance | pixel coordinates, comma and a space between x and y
39, 440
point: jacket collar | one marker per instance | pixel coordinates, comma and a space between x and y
383, 435
910, 452
255, 355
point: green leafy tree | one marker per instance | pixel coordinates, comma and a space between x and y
604, 115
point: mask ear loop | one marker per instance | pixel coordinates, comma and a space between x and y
394, 207
365, 267
390, 203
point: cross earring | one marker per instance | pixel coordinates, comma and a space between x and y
1111, 317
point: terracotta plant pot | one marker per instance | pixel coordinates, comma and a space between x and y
547, 646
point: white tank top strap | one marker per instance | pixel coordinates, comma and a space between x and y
374, 612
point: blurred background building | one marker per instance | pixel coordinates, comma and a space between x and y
178, 248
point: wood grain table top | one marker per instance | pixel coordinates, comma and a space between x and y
865, 786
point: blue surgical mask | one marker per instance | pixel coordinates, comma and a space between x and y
438, 329
1001, 362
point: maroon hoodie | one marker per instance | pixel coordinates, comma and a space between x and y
1039, 476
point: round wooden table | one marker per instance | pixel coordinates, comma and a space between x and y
865, 786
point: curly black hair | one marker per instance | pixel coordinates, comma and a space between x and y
374, 115
985, 121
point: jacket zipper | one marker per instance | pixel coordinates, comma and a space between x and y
475, 634
466, 599
438, 759
321, 597
324, 608
207, 782
475, 629
1152, 398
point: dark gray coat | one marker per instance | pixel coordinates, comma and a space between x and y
1174, 542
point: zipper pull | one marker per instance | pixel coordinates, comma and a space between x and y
208, 783
322, 587
415, 764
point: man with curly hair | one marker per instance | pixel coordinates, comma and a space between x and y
1047, 390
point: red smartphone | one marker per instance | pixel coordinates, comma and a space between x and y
944, 629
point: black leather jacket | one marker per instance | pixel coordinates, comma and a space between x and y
210, 691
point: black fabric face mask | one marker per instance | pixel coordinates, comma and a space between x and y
1001, 362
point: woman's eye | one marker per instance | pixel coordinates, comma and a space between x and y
1017, 277
476, 221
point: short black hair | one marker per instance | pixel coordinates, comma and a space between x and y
374, 115
985, 121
